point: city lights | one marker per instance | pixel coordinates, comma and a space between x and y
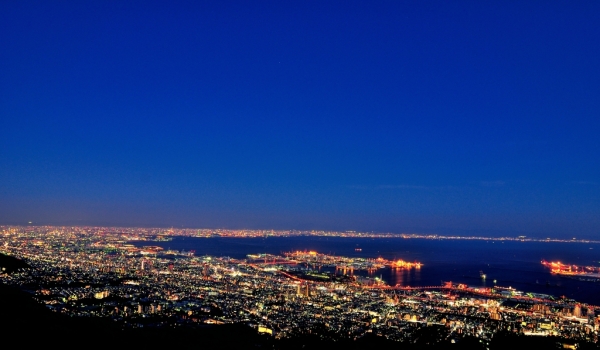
98, 272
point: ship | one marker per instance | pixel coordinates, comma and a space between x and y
582, 273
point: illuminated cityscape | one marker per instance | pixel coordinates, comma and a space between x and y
98, 272
300, 174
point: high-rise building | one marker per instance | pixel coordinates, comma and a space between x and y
577, 311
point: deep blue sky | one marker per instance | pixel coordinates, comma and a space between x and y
422, 116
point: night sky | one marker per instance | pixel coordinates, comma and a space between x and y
449, 117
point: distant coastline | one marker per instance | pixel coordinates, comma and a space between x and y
162, 233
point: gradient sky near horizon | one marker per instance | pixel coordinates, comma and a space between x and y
464, 117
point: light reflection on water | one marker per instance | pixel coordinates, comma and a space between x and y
515, 264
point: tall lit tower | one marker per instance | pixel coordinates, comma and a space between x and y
577, 311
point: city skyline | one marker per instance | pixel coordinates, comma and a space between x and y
203, 232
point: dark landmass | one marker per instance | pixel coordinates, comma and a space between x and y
9, 264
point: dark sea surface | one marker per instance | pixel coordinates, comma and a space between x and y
510, 263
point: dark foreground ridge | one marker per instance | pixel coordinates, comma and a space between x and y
9, 264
